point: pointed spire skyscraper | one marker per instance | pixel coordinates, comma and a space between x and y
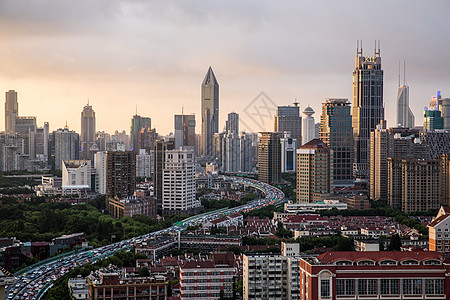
405, 117
210, 112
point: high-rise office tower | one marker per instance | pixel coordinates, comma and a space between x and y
232, 124
11, 111
336, 131
87, 137
309, 125
269, 157
64, 146
179, 189
146, 139
288, 119
210, 111
314, 171
137, 124
288, 153
159, 162
367, 106
405, 117
120, 173
184, 131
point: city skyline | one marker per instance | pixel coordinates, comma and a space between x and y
54, 58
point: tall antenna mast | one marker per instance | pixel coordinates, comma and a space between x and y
404, 72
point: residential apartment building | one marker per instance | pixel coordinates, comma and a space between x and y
179, 188
314, 171
269, 157
439, 231
204, 280
414, 184
120, 173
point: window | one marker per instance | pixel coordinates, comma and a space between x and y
410, 262
412, 286
345, 287
325, 288
367, 286
389, 286
366, 263
434, 286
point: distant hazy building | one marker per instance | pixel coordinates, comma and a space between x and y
288, 153
444, 107
64, 146
269, 157
185, 131
232, 124
314, 171
368, 107
88, 133
309, 125
414, 184
210, 112
144, 164
11, 111
288, 119
405, 117
179, 188
137, 124
120, 173
336, 131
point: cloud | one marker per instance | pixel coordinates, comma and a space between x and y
155, 53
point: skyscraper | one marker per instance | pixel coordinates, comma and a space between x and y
314, 171
367, 106
288, 153
269, 157
137, 124
288, 119
11, 111
309, 125
87, 138
232, 124
184, 131
405, 117
210, 111
336, 131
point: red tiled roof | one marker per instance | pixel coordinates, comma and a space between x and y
438, 220
331, 257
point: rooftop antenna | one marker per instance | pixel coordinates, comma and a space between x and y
398, 73
404, 72
136, 109
359, 47
88, 101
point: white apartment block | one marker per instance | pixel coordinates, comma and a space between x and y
76, 173
179, 189
273, 277
100, 171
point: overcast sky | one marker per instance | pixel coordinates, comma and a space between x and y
57, 54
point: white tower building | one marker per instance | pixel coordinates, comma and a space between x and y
309, 127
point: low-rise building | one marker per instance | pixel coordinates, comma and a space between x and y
139, 204
375, 275
205, 279
111, 283
78, 288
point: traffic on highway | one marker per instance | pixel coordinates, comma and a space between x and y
37, 280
